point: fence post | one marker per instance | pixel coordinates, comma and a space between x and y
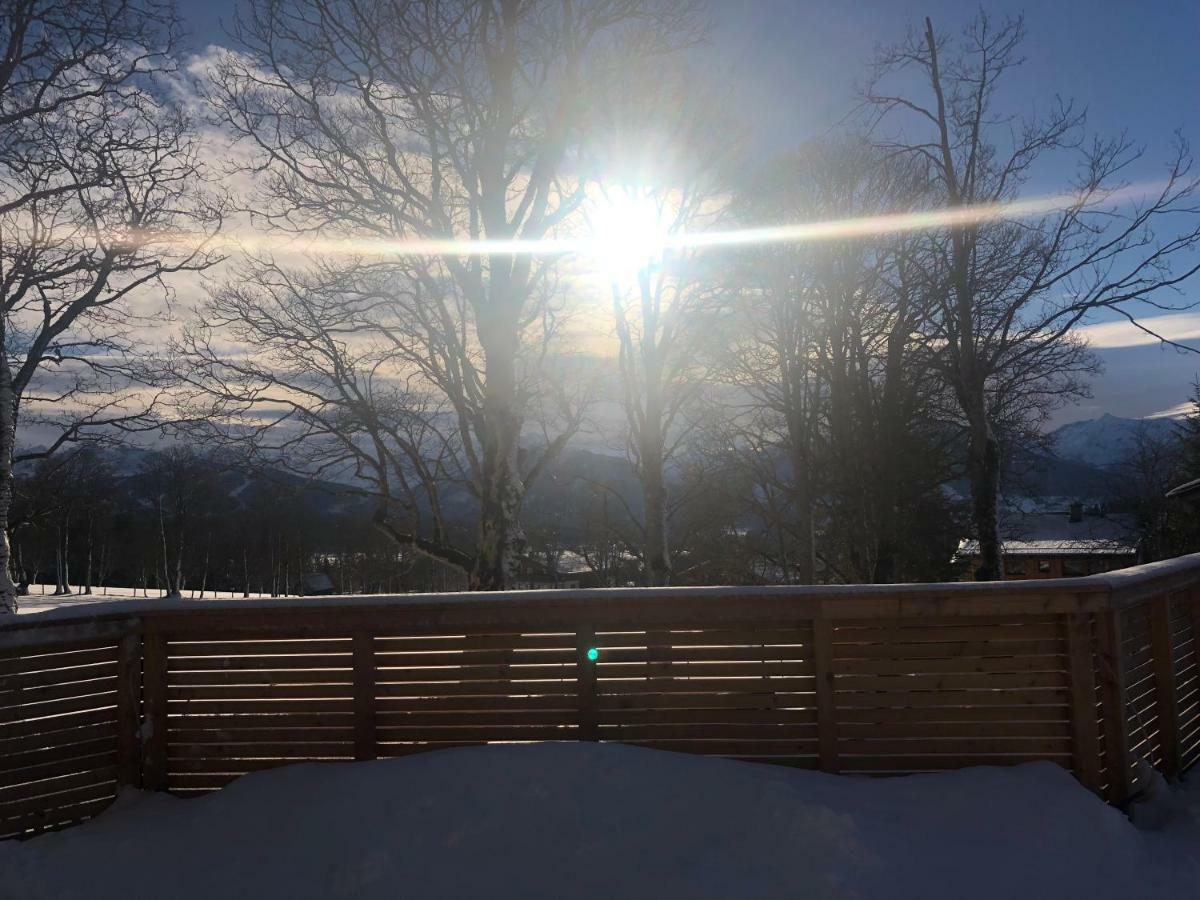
1194, 604
1112, 698
154, 712
1164, 684
129, 701
363, 655
827, 739
1085, 731
585, 639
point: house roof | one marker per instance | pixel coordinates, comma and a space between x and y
1056, 548
1054, 534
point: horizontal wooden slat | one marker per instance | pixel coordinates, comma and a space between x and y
263, 720
75, 812
259, 734
277, 750
56, 785
920, 633
965, 714
745, 685
710, 716
937, 730
990, 681
475, 688
729, 747
315, 676
20, 700
253, 663
482, 734
706, 669
9, 746
28, 758
953, 698
516, 672
687, 656
765, 701
947, 650
42, 805
566, 701
50, 768
178, 650
384, 644
938, 763
58, 707
57, 723
385, 661
522, 717
276, 692
963, 664
57, 657
922, 746
707, 731
19, 682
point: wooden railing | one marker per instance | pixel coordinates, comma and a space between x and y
1092, 673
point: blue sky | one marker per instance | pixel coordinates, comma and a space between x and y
793, 64
791, 68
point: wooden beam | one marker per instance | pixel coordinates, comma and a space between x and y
363, 656
585, 639
1112, 699
827, 737
1085, 732
129, 710
154, 712
1166, 706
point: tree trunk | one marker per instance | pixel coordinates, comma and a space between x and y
87, 570
983, 471
8, 439
654, 499
799, 436
62, 568
502, 490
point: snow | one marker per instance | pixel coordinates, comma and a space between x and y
604, 820
41, 597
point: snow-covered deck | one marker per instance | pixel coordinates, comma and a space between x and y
599, 821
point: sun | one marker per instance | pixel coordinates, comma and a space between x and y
628, 231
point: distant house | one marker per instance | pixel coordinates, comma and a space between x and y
1060, 545
316, 584
568, 570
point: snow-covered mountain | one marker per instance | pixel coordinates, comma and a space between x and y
1107, 440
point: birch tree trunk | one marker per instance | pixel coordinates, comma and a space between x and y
8, 439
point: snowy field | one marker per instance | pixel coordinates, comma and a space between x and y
591, 821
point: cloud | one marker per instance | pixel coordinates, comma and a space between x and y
1178, 327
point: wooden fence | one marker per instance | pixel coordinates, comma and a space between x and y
1092, 673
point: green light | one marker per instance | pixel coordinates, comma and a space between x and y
593, 654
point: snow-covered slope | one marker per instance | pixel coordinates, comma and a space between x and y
580, 820
1107, 440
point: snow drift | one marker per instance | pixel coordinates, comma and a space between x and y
586, 820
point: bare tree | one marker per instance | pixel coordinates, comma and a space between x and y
668, 156
836, 410
397, 120
1010, 291
98, 206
